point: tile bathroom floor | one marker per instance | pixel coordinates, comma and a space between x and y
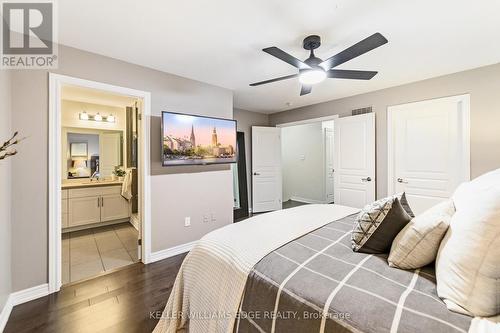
87, 253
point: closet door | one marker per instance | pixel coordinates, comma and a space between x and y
428, 149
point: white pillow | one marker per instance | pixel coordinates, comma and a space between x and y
417, 244
468, 260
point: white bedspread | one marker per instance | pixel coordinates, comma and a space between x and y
208, 289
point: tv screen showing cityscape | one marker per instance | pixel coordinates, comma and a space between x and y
190, 139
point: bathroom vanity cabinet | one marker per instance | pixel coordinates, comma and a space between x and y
93, 206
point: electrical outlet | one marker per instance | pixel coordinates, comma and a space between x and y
205, 218
212, 217
187, 221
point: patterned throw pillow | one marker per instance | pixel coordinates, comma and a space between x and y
378, 224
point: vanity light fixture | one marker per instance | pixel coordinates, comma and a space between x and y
84, 116
97, 117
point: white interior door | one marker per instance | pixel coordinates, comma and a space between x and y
266, 169
329, 168
354, 160
109, 153
428, 149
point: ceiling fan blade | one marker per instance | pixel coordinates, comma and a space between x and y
274, 80
350, 74
282, 55
305, 90
354, 51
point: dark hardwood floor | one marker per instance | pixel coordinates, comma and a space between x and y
291, 204
118, 302
285, 205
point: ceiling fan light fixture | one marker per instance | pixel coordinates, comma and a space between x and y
312, 76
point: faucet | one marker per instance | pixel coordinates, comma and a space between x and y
96, 175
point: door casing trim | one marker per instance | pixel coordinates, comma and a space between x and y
56, 82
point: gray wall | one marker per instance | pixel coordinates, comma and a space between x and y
175, 194
5, 187
483, 84
246, 120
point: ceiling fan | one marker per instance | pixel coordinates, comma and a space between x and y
314, 70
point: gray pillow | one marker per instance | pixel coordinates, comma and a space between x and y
378, 224
405, 204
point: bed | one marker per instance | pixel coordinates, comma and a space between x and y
294, 271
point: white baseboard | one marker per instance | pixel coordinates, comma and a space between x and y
26, 295
19, 297
306, 200
170, 252
5, 314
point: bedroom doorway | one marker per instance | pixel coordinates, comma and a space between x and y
273, 159
98, 185
428, 149
307, 154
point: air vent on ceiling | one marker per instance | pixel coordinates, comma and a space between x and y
368, 109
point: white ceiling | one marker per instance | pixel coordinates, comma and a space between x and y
220, 41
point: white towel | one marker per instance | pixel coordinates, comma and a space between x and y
127, 185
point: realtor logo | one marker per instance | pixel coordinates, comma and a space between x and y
28, 35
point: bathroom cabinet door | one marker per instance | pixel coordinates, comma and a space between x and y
84, 211
113, 207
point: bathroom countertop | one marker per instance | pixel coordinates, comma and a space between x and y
66, 185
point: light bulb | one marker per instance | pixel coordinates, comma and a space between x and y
84, 116
110, 118
312, 76
98, 117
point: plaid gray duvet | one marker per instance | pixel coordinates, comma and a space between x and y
316, 283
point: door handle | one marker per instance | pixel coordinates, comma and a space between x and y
367, 179
400, 180
256, 174
98, 202
102, 202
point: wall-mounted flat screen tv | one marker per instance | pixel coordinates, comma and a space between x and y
190, 139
